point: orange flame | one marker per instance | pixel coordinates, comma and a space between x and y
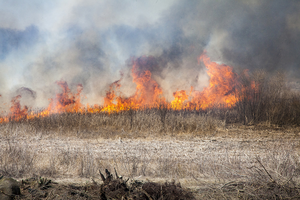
178, 102
221, 91
148, 93
16, 112
65, 101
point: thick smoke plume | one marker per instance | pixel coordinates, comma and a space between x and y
91, 42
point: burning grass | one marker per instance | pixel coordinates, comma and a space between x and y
268, 110
230, 97
269, 101
251, 165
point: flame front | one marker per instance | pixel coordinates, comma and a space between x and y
178, 102
65, 101
148, 94
221, 89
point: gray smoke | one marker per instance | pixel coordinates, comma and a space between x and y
90, 42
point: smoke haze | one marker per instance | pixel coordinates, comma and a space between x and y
90, 42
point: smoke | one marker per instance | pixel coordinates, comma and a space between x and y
90, 42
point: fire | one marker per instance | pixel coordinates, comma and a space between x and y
221, 89
111, 97
178, 102
148, 93
63, 102
16, 111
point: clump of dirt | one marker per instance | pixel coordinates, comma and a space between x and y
112, 187
8, 188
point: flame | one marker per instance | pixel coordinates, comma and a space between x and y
178, 102
221, 89
147, 90
65, 101
148, 94
16, 111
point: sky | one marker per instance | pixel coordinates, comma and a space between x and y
92, 41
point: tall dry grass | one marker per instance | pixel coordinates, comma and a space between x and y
133, 123
215, 174
228, 175
267, 99
263, 99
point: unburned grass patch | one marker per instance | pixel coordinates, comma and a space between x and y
134, 124
16, 160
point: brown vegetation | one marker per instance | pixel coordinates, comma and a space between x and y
224, 170
271, 101
263, 99
110, 188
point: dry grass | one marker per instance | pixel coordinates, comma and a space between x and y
216, 168
271, 101
264, 99
198, 148
16, 160
134, 123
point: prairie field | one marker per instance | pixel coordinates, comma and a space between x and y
248, 151
150, 100
211, 157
